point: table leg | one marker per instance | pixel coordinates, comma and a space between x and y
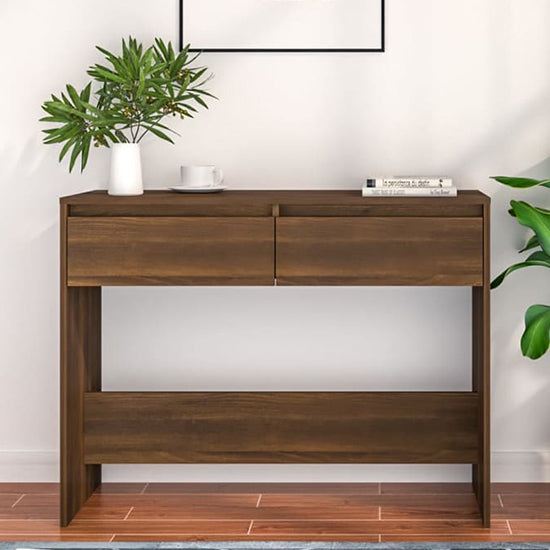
480, 382
80, 372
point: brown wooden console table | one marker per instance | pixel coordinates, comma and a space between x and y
266, 238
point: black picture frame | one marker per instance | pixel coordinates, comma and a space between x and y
381, 49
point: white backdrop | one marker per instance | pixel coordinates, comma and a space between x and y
463, 89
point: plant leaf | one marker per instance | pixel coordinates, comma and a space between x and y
521, 183
102, 73
200, 101
204, 92
74, 155
73, 94
85, 152
121, 136
63, 133
537, 259
161, 48
533, 242
85, 93
66, 148
198, 74
61, 108
158, 133
56, 118
536, 219
536, 338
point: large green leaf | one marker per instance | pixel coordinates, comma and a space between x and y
536, 338
521, 183
537, 259
533, 242
536, 219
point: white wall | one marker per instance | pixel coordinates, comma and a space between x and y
463, 89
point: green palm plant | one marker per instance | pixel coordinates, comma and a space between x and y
536, 336
134, 92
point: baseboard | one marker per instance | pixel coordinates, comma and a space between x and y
29, 466
521, 466
507, 466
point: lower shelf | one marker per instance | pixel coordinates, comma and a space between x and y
281, 427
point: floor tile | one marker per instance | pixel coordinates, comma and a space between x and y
31, 527
27, 488
29, 512
482, 537
533, 506
306, 507
7, 500
315, 488
162, 537
168, 527
103, 512
178, 538
33, 506
425, 488
56, 538
331, 528
530, 527
521, 488
413, 527
193, 506
426, 506
171, 512
124, 488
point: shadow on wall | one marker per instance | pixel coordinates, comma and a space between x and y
504, 135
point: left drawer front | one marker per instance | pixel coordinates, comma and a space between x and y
169, 251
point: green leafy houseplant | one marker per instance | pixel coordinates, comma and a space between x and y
536, 337
133, 93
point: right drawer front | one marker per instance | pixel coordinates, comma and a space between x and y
379, 251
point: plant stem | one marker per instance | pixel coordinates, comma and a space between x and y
147, 130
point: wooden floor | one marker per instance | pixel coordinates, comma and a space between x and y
369, 512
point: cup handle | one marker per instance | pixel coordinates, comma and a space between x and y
218, 176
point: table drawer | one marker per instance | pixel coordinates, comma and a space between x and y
379, 251
170, 251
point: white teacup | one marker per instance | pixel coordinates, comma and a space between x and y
201, 176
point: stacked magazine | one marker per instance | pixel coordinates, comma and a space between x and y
409, 186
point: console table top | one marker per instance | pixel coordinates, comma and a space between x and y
264, 197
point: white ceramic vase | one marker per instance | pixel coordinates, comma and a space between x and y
125, 175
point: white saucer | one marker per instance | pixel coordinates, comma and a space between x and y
191, 189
